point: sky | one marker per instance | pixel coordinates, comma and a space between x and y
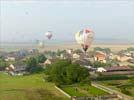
28, 21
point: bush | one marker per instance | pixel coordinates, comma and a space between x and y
36, 70
125, 91
113, 77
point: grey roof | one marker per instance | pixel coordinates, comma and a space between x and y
82, 62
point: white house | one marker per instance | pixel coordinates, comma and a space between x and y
10, 59
101, 69
49, 61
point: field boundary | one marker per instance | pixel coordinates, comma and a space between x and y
109, 90
63, 92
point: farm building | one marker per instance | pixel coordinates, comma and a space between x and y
119, 70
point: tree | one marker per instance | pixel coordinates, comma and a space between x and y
32, 64
65, 72
97, 64
3, 64
41, 58
130, 49
77, 73
57, 71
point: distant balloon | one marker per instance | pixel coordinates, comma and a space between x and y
49, 34
40, 44
84, 38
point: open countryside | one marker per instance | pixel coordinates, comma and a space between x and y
66, 50
30, 87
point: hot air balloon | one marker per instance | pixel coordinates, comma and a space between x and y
40, 44
84, 38
49, 34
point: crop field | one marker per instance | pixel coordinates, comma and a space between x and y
124, 86
84, 90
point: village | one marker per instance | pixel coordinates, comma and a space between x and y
103, 66
101, 60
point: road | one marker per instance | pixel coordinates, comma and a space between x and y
111, 91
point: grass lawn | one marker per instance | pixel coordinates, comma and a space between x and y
30, 87
85, 90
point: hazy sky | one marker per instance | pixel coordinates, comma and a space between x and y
29, 20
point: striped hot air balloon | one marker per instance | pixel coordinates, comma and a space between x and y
84, 38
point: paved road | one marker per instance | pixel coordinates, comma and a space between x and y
111, 91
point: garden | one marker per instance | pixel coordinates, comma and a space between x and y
83, 90
124, 86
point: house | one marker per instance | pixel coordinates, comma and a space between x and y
131, 61
76, 56
82, 62
123, 58
101, 69
10, 59
127, 54
33, 51
16, 69
49, 61
113, 56
100, 56
69, 51
65, 56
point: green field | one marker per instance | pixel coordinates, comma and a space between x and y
30, 87
84, 90
124, 86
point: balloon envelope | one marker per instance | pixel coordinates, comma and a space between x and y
49, 34
84, 38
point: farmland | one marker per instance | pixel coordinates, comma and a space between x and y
124, 86
83, 90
